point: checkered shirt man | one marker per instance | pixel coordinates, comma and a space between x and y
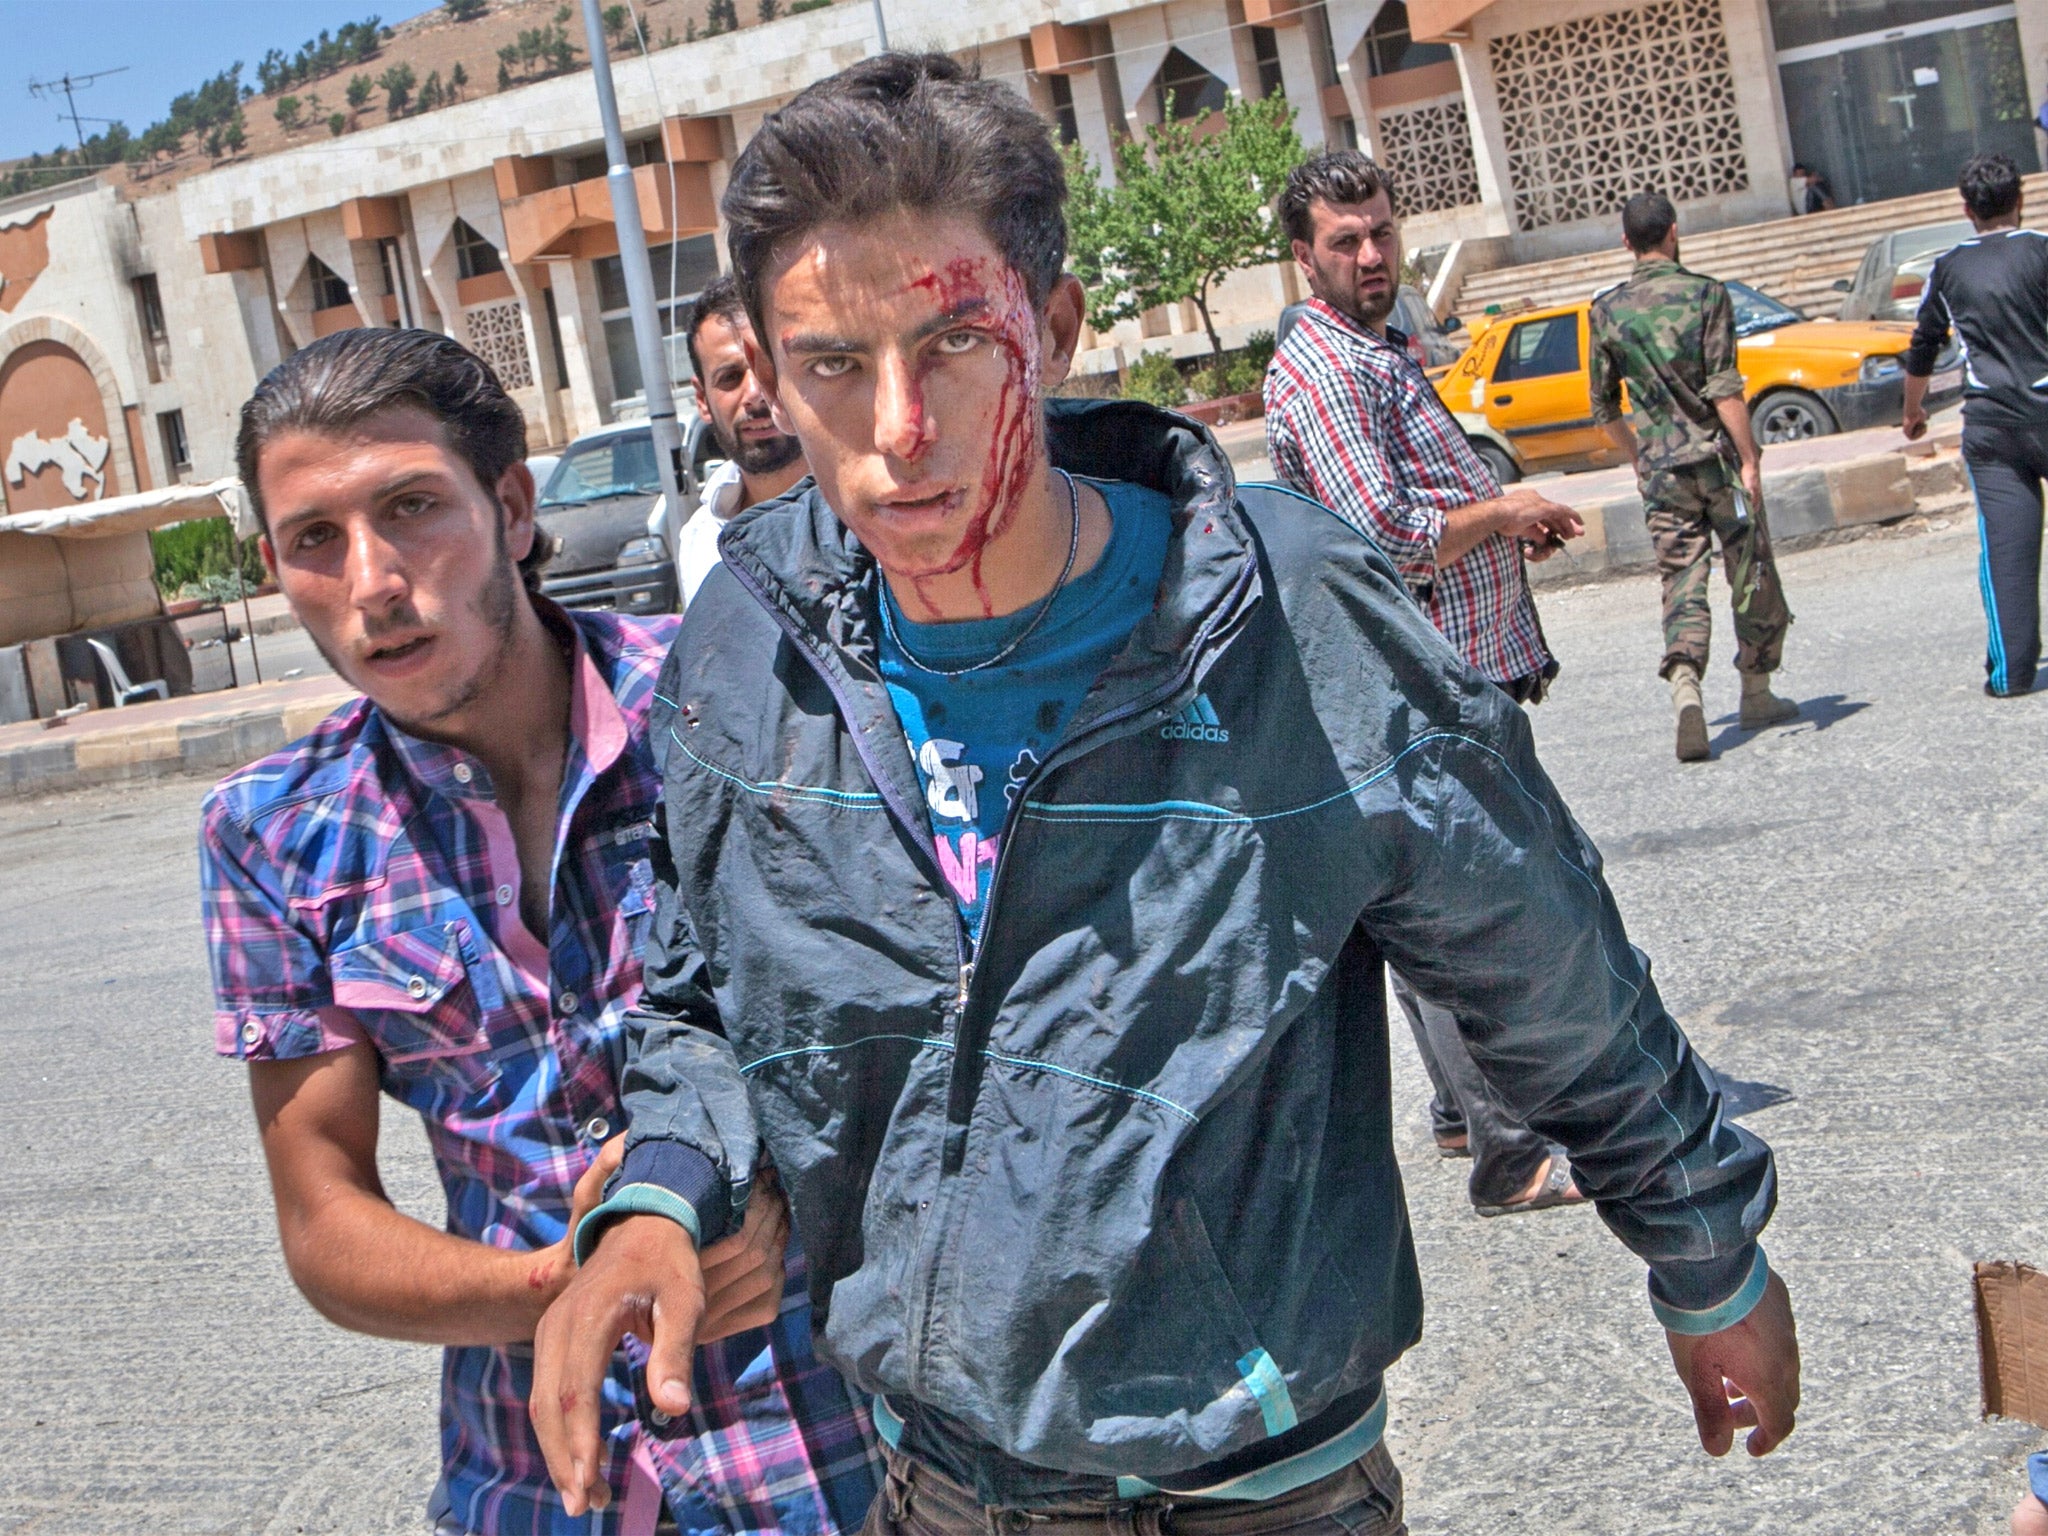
1352, 422
363, 884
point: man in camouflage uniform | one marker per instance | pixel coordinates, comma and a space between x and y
1670, 335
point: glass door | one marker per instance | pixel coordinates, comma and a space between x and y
1889, 114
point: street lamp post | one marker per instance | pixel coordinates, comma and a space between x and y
881, 26
639, 274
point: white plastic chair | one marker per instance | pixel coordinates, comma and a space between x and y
126, 692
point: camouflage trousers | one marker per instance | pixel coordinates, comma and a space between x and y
1689, 510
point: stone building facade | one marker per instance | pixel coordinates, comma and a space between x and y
1516, 128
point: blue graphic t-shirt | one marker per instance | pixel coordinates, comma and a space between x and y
978, 737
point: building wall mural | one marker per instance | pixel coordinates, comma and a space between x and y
54, 423
1595, 110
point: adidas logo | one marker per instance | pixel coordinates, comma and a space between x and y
1196, 722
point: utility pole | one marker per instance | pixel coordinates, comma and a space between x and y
881, 28
68, 83
639, 274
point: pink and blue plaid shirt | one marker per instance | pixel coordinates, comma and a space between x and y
1353, 422
363, 885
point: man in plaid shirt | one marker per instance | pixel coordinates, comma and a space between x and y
1352, 422
442, 892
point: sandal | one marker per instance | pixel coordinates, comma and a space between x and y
1557, 1189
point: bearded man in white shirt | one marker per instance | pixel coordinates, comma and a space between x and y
761, 460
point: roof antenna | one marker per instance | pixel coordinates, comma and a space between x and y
67, 83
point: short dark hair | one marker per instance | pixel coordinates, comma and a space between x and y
352, 375
720, 299
1990, 185
1337, 176
917, 132
1646, 219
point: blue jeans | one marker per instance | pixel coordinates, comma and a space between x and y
1362, 1499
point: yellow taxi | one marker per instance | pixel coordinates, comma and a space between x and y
1520, 388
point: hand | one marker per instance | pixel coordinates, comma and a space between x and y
1753, 485
1914, 422
645, 1279
1535, 518
1745, 1377
743, 1272
558, 1261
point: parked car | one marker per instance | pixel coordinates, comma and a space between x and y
596, 506
541, 466
1522, 394
1893, 274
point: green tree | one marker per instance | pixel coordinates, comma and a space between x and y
337, 123
235, 133
431, 93
458, 82
1192, 204
397, 82
466, 10
615, 19
359, 89
287, 112
770, 9
721, 16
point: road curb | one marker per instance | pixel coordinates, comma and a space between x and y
210, 745
1813, 498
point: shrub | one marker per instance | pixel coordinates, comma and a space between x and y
466, 10
194, 556
1156, 379
798, 7
287, 112
359, 90
337, 123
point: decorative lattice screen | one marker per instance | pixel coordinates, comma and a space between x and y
1429, 150
1632, 101
498, 336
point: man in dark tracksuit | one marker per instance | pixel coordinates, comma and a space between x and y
1042, 810
1993, 292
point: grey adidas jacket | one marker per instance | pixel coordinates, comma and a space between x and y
1117, 1194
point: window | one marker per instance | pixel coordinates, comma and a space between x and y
474, 255
149, 304
1537, 349
329, 291
1347, 130
1063, 109
1266, 50
1390, 47
1192, 88
170, 425
680, 273
613, 466
593, 166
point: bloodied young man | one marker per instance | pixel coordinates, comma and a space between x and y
1041, 810
439, 895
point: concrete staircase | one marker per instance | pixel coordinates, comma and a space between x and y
1795, 260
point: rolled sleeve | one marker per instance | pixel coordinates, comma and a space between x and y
1336, 459
272, 999
1717, 346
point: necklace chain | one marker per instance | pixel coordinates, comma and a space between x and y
1044, 603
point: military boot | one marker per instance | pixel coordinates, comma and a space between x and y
1760, 706
1692, 714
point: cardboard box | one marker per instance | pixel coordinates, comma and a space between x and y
2012, 1340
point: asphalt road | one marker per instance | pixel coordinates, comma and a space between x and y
1846, 913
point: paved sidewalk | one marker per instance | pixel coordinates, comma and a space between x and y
207, 733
